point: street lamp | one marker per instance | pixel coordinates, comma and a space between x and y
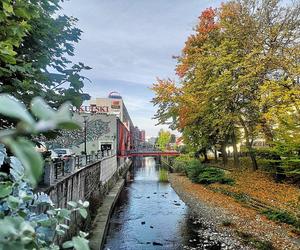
85, 120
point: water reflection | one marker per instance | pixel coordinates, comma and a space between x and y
150, 215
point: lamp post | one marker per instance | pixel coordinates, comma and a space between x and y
85, 120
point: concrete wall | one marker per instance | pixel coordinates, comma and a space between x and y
90, 183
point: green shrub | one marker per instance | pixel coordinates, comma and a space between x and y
250, 239
30, 220
282, 216
193, 170
209, 175
181, 162
227, 223
291, 168
267, 153
180, 166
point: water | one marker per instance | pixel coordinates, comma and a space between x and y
150, 215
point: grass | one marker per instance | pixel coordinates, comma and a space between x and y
227, 223
282, 216
163, 175
249, 239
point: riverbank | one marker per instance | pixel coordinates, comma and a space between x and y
225, 215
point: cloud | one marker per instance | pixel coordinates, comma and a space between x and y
129, 43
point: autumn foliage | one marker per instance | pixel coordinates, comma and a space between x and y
239, 81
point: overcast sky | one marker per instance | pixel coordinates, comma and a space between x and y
128, 43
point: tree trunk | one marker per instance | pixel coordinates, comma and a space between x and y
204, 153
205, 156
249, 146
224, 155
267, 132
253, 158
216, 155
235, 151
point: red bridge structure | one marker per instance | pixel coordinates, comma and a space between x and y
125, 146
144, 153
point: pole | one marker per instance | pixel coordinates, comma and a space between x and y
85, 137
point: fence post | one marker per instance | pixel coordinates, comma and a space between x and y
49, 173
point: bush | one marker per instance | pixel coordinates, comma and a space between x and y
193, 170
291, 169
210, 175
181, 162
250, 239
29, 220
282, 216
268, 164
199, 173
227, 223
267, 153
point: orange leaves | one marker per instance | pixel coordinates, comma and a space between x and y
181, 69
183, 116
164, 90
207, 22
229, 10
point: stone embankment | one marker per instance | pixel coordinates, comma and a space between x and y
227, 221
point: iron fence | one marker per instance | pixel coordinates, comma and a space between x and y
69, 165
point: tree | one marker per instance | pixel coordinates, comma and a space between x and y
238, 77
35, 44
163, 139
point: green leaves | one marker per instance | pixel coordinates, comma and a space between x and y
83, 212
2, 154
17, 170
79, 243
21, 147
41, 109
31, 159
12, 108
7, 7
5, 188
50, 119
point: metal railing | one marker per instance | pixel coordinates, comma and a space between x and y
62, 167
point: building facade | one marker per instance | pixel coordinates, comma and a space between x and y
106, 125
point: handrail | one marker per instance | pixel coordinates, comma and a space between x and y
63, 166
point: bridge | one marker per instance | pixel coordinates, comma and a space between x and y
152, 153
148, 151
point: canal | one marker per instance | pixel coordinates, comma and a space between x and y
150, 215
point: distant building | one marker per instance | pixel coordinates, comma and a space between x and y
152, 140
114, 105
139, 137
108, 126
142, 135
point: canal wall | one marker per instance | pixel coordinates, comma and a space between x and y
91, 182
102, 216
